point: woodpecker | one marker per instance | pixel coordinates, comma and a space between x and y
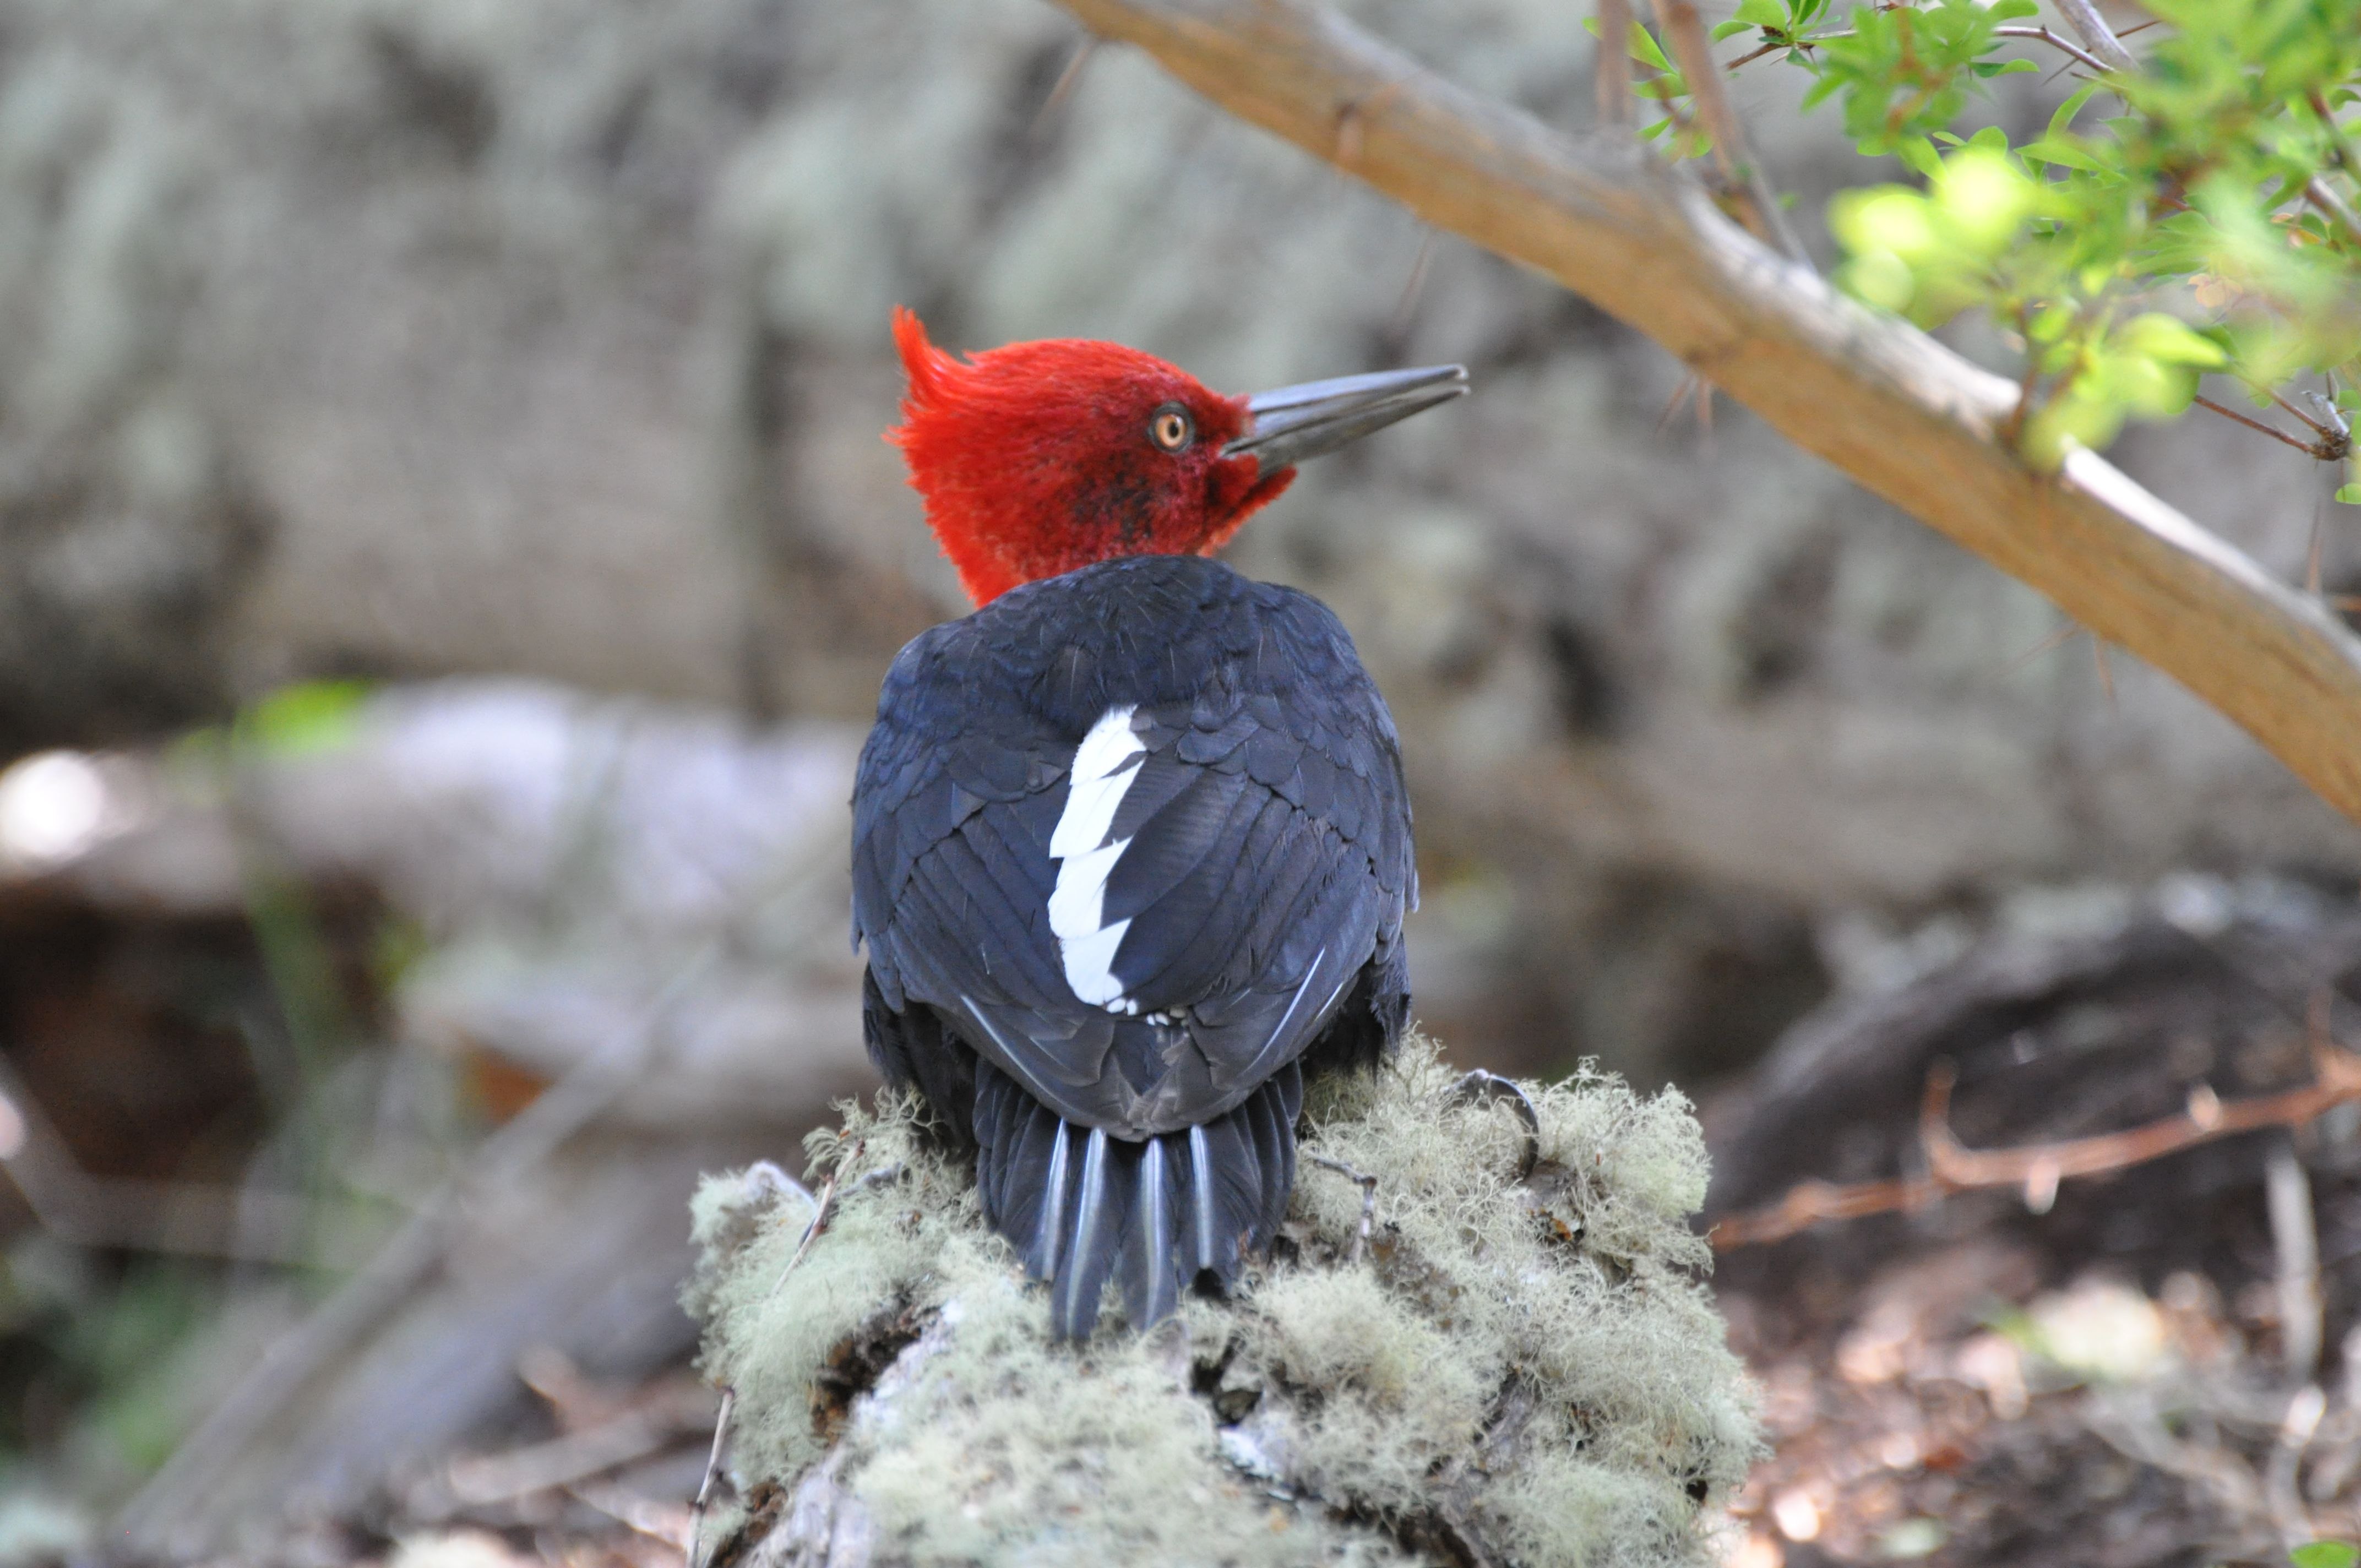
1131, 845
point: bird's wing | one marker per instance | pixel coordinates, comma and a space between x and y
1143, 920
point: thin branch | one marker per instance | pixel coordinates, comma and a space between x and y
1063, 88
1751, 56
2046, 35
2272, 431
2058, 639
1740, 169
1906, 416
1368, 1185
2314, 425
2041, 34
2316, 191
2097, 37
2036, 1168
1612, 77
2295, 1244
712, 1470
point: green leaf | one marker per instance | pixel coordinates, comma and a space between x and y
2063, 121
2063, 154
1763, 13
1730, 30
2171, 341
306, 717
1919, 154
2350, 496
2008, 10
2329, 1554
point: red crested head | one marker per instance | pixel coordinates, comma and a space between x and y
1037, 458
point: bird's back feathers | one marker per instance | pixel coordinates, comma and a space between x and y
1136, 839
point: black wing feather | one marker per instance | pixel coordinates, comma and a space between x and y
1267, 866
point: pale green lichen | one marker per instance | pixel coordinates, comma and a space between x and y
1530, 1366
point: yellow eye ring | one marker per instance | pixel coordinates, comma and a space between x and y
1170, 428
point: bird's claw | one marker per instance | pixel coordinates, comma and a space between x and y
1479, 1086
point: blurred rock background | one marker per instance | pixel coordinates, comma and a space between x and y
525, 364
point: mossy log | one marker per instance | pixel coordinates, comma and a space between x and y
1521, 1365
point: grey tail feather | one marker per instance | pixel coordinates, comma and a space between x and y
1081, 1206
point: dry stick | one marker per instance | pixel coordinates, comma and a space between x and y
2335, 441
2297, 1426
1740, 169
2097, 37
2295, 1242
712, 1469
2272, 431
2058, 639
1953, 1168
1369, 1204
1413, 287
1906, 416
2046, 35
1612, 79
1064, 86
821, 1210
2042, 34
2317, 191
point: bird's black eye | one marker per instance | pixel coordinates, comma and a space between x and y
1171, 428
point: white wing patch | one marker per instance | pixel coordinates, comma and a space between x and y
1104, 764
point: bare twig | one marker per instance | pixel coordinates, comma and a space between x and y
1413, 286
1063, 88
2328, 434
1368, 1203
1740, 169
2054, 42
1612, 77
2097, 37
2311, 448
1903, 415
712, 1470
2295, 1242
825, 1210
2336, 1080
2056, 640
480, 1479
2297, 1426
2317, 191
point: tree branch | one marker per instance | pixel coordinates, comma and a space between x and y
1612, 76
1693, 52
2036, 1169
1904, 416
2097, 37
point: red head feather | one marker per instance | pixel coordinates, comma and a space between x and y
1039, 457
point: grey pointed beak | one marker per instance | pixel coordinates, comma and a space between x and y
1294, 424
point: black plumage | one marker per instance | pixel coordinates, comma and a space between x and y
1264, 870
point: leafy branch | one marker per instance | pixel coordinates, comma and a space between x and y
2206, 225
1906, 416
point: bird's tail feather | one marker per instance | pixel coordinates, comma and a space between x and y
1080, 1205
